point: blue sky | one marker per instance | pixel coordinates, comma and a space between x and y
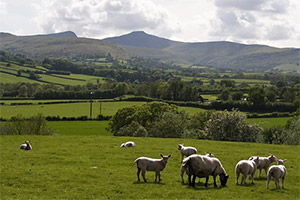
270, 22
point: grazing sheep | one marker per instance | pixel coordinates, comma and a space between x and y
203, 166
246, 167
186, 151
148, 164
184, 169
277, 171
26, 146
128, 144
264, 163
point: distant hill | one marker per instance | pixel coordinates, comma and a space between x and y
218, 54
65, 44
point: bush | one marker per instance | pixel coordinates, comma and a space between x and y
231, 126
19, 125
273, 135
133, 129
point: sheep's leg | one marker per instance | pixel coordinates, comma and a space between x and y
182, 179
268, 181
277, 183
156, 175
159, 179
282, 181
144, 177
252, 178
266, 170
215, 184
182, 157
189, 179
206, 181
138, 173
237, 175
244, 179
194, 179
259, 172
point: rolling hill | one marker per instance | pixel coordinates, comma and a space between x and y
65, 44
218, 54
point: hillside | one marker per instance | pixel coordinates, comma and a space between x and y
59, 45
218, 54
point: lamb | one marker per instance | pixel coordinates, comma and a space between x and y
203, 166
277, 171
264, 162
184, 169
128, 144
186, 151
246, 167
26, 146
148, 164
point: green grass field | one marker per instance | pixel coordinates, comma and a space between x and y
95, 167
269, 122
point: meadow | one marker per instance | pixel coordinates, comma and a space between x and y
95, 167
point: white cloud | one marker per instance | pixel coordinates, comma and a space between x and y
104, 18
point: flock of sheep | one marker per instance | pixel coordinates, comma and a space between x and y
203, 166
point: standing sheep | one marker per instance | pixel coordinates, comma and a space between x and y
186, 151
246, 167
277, 171
26, 146
184, 169
264, 162
204, 166
128, 144
148, 164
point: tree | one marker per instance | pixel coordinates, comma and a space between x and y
225, 95
236, 96
257, 96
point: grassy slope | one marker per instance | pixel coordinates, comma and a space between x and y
95, 167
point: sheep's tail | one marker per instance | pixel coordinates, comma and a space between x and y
238, 169
137, 160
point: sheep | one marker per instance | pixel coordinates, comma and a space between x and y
184, 169
148, 164
264, 162
246, 167
186, 151
277, 171
26, 146
203, 166
128, 144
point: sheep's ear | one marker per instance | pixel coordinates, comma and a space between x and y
169, 156
257, 158
161, 155
284, 160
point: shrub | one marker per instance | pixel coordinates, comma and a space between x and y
231, 126
19, 125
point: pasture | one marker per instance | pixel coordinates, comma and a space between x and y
95, 167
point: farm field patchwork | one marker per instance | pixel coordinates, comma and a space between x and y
95, 167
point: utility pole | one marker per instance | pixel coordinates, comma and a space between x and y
91, 105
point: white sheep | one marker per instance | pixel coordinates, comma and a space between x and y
204, 166
186, 151
264, 163
26, 146
128, 144
148, 164
246, 167
277, 171
184, 169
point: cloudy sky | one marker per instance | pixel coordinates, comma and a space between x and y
270, 22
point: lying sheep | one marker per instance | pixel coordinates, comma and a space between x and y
128, 144
186, 151
203, 166
184, 169
246, 167
264, 163
148, 164
277, 171
26, 146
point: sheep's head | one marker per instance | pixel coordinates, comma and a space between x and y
27, 142
165, 158
256, 160
223, 179
281, 162
180, 146
122, 145
272, 158
209, 155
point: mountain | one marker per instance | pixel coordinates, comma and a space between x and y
65, 44
218, 54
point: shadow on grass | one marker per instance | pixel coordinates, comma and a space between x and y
142, 182
260, 179
245, 185
201, 186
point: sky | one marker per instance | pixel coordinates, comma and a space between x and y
270, 22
